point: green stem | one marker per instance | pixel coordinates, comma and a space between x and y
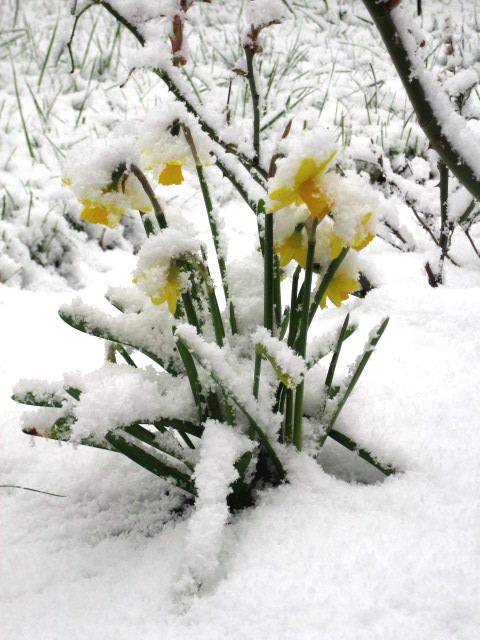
288, 423
277, 292
157, 209
268, 320
326, 280
256, 375
192, 375
292, 330
302, 338
215, 313
216, 242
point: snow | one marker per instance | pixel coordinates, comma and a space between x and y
462, 137
339, 551
220, 448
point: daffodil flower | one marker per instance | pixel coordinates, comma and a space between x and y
293, 247
170, 292
97, 213
307, 188
171, 174
361, 239
161, 285
339, 288
106, 205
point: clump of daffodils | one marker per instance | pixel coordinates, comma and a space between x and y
307, 193
161, 261
219, 410
97, 172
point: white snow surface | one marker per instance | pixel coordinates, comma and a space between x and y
401, 557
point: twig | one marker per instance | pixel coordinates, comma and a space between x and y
249, 53
47, 493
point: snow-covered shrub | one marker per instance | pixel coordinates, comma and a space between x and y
211, 393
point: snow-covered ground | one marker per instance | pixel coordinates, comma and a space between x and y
323, 556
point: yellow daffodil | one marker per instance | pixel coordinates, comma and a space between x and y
169, 292
360, 241
363, 237
307, 188
341, 285
97, 213
293, 247
171, 174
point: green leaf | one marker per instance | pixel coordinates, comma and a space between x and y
324, 284
321, 354
180, 425
81, 324
44, 400
150, 462
336, 354
172, 449
362, 362
282, 375
351, 445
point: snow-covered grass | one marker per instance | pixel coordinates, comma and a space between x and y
337, 552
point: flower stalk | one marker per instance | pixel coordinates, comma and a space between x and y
311, 227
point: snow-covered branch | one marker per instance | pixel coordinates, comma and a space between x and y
448, 133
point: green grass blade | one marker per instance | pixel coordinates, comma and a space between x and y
20, 111
47, 56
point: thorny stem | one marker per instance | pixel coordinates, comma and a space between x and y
249, 53
469, 237
381, 13
446, 227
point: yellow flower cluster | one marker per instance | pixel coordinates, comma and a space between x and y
328, 199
